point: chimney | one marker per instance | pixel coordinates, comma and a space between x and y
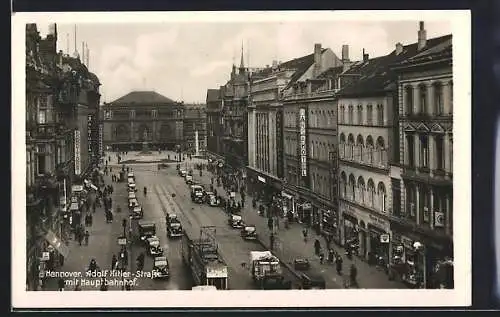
275, 64
399, 48
422, 36
345, 53
366, 57
317, 59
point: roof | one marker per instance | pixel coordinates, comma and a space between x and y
376, 74
142, 97
213, 95
331, 72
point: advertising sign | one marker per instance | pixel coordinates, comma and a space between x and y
89, 133
279, 144
101, 148
303, 144
78, 163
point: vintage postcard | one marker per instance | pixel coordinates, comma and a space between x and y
272, 159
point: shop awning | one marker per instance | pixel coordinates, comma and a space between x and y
57, 243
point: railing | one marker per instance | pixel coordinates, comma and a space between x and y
370, 158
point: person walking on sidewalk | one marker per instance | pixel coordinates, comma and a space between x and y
87, 234
114, 260
60, 284
304, 233
338, 265
317, 247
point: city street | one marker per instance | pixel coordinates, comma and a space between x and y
234, 250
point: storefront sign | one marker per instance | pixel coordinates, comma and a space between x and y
261, 179
78, 164
384, 238
89, 133
101, 148
306, 206
279, 144
303, 143
379, 221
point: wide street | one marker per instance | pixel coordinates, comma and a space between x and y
161, 185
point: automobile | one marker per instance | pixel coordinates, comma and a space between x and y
197, 193
235, 221
154, 247
131, 175
312, 281
174, 227
160, 267
137, 212
189, 179
147, 229
132, 203
249, 232
211, 199
182, 173
131, 195
132, 187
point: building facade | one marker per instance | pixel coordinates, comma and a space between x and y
195, 128
422, 222
60, 94
143, 119
214, 124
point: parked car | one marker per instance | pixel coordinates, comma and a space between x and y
189, 179
147, 229
161, 268
182, 173
249, 232
132, 203
235, 221
136, 212
197, 193
211, 199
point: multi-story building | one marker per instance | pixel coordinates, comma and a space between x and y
214, 124
310, 148
55, 86
368, 144
143, 119
195, 127
265, 119
234, 119
422, 180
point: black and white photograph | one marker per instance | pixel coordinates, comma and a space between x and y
278, 159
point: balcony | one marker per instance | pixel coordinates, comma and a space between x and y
363, 199
47, 131
373, 159
427, 175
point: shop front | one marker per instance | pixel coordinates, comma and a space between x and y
426, 261
329, 224
288, 202
261, 186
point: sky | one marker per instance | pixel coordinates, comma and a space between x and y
182, 60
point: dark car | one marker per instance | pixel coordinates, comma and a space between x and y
161, 268
174, 226
154, 247
136, 212
235, 221
147, 229
249, 232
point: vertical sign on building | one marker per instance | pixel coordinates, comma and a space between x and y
78, 163
279, 143
303, 142
101, 147
89, 134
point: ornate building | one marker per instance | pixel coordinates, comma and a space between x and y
143, 118
195, 128
60, 94
422, 182
214, 124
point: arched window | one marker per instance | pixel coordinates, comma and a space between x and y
313, 181
382, 197
359, 145
438, 99
409, 100
350, 147
342, 145
370, 148
369, 115
352, 188
342, 114
360, 114
423, 98
371, 193
381, 152
351, 114
361, 190
343, 185
380, 114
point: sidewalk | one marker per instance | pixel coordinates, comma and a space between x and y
289, 245
102, 244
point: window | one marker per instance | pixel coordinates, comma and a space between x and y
369, 115
108, 114
380, 114
438, 99
439, 140
382, 197
371, 193
194, 125
423, 99
409, 100
342, 114
42, 116
360, 114
154, 113
351, 115
451, 97
411, 201
425, 203
411, 150
132, 114
424, 150
179, 113
352, 188
41, 164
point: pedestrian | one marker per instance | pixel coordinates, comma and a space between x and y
60, 284
80, 238
271, 241
87, 234
321, 257
304, 233
317, 246
114, 260
338, 265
